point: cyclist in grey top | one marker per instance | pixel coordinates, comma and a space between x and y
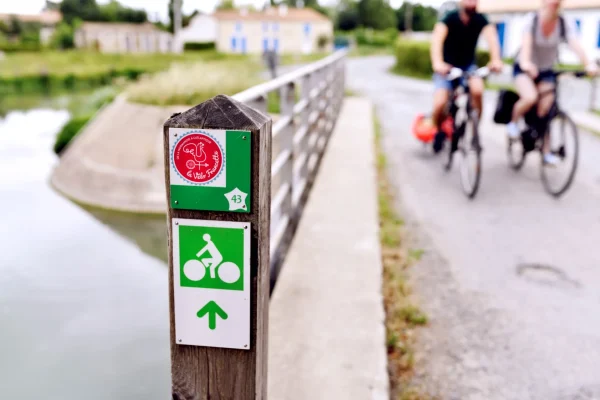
543, 32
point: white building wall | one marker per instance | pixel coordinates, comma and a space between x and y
202, 29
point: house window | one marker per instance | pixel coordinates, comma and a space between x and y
238, 26
265, 26
275, 27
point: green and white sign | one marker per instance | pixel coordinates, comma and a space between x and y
211, 279
210, 169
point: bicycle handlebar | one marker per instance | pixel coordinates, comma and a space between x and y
456, 73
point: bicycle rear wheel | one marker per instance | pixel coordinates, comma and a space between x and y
516, 153
564, 143
469, 148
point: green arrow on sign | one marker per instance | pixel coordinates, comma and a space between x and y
212, 309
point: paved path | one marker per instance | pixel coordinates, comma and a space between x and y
326, 332
498, 331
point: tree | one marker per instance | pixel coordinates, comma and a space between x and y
115, 12
63, 37
226, 5
87, 10
347, 20
423, 18
376, 14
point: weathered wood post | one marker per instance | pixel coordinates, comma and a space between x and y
218, 180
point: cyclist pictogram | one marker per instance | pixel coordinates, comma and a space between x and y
195, 270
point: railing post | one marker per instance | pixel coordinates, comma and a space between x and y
218, 180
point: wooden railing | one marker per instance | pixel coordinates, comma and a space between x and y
310, 99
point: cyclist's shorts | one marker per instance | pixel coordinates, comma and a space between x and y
440, 81
545, 75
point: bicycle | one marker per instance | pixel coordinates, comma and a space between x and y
560, 146
464, 140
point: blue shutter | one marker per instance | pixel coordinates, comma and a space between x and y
307, 29
598, 34
276, 45
233, 43
265, 44
578, 23
243, 44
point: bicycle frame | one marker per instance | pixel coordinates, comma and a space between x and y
540, 124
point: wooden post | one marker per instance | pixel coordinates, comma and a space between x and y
206, 370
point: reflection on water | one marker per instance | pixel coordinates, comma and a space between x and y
148, 232
83, 312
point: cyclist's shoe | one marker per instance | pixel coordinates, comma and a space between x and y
438, 141
513, 130
551, 159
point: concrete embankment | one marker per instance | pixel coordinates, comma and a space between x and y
116, 162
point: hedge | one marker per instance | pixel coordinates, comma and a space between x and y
47, 82
413, 59
373, 38
195, 46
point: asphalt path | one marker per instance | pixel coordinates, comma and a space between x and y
511, 279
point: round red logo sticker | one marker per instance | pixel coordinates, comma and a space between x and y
198, 158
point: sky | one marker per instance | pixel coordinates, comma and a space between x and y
158, 8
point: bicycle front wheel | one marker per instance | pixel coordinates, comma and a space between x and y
469, 148
563, 138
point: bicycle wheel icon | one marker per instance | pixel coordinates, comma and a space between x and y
227, 272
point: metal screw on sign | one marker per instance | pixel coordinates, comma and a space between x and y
243, 137
176, 202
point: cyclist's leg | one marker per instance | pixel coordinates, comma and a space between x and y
546, 84
440, 100
476, 87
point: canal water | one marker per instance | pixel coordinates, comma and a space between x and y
83, 293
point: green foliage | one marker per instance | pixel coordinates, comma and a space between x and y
323, 41
225, 5
69, 131
376, 14
115, 12
423, 17
22, 73
63, 37
197, 46
348, 19
413, 59
89, 10
373, 38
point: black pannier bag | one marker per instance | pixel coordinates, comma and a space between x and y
505, 105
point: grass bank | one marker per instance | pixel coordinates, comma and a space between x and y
82, 114
48, 71
403, 317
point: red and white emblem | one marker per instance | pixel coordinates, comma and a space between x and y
198, 158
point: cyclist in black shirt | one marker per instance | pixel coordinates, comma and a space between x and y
453, 44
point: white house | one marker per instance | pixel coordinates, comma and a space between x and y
117, 37
281, 29
201, 29
508, 15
